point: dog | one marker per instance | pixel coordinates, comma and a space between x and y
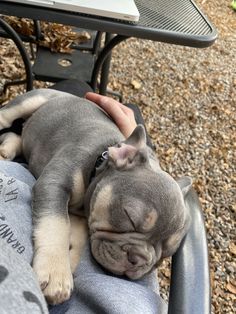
135, 211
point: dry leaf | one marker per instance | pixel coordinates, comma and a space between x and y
135, 84
56, 37
232, 248
231, 288
170, 151
20, 25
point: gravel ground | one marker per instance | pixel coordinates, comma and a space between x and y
188, 99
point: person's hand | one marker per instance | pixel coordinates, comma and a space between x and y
122, 115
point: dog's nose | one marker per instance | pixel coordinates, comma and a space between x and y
137, 258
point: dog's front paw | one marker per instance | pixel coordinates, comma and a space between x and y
55, 277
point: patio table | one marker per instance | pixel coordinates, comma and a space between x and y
177, 22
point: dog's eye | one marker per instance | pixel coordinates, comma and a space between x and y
130, 219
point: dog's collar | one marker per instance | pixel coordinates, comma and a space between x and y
99, 161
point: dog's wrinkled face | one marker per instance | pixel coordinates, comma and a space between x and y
137, 214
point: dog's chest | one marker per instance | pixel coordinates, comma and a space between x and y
77, 191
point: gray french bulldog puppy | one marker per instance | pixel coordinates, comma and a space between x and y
136, 211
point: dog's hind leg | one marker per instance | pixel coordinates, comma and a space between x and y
23, 106
10, 146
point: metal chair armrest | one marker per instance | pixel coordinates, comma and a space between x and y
190, 279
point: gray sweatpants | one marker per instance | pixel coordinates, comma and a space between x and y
95, 291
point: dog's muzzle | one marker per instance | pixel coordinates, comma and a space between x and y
123, 254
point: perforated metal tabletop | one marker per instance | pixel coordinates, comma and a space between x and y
172, 21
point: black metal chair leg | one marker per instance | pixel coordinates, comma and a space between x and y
18, 42
105, 68
12, 83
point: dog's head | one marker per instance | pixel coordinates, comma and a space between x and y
137, 214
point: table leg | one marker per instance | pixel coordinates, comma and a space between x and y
104, 54
105, 68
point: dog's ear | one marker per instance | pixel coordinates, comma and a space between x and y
130, 152
137, 138
185, 184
